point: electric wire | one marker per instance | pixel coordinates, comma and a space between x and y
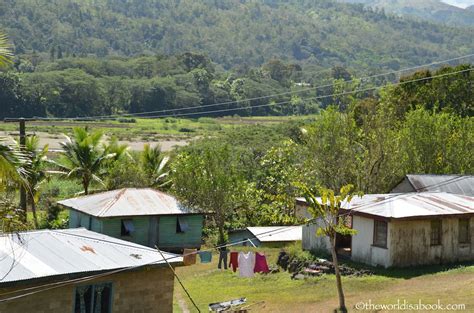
263, 97
40, 288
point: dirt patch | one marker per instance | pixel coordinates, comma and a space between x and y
136, 145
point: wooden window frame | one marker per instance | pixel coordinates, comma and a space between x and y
375, 242
468, 233
439, 236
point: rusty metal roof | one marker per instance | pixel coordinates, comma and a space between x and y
45, 253
277, 233
127, 202
457, 184
410, 205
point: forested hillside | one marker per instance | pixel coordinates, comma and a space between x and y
232, 33
433, 10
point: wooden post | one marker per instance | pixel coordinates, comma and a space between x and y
22, 187
22, 123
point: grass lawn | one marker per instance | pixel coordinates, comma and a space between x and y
279, 293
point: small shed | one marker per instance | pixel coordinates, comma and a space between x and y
457, 184
404, 229
145, 216
76, 270
274, 236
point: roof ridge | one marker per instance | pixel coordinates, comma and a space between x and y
112, 202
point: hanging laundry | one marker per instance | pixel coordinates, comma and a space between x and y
222, 257
261, 265
234, 260
189, 256
205, 256
246, 264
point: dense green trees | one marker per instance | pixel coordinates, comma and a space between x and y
83, 157
207, 178
324, 33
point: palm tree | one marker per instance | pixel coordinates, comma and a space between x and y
6, 54
12, 164
82, 157
36, 171
10, 156
155, 165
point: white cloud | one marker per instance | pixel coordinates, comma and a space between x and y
460, 3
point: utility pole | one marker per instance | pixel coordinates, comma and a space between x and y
22, 122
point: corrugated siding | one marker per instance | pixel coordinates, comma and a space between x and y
169, 238
112, 227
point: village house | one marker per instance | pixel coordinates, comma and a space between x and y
270, 236
402, 229
76, 270
145, 216
457, 184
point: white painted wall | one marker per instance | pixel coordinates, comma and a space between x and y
313, 242
362, 249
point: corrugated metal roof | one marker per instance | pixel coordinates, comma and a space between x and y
410, 205
126, 202
43, 253
277, 233
457, 184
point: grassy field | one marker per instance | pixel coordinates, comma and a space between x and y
279, 293
168, 132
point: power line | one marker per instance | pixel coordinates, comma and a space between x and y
39, 289
314, 98
268, 96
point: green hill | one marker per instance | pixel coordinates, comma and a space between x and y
432, 10
232, 33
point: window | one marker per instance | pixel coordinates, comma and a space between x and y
181, 225
380, 234
93, 299
127, 228
436, 229
464, 230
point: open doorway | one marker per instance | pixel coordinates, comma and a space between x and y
344, 242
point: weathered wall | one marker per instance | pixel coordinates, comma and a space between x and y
113, 227
168, 238
362, 243
79, 219
148, 290
410, 241
313, 242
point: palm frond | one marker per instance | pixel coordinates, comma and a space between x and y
6, 54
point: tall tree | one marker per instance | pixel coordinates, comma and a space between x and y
36, 171
11, 158
208, 180
326, 211
82, 157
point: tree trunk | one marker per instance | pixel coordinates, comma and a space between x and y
342, 304
85, 184
33, 209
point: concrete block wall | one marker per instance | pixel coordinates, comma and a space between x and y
145, 290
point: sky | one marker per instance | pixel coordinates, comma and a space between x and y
460, 3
